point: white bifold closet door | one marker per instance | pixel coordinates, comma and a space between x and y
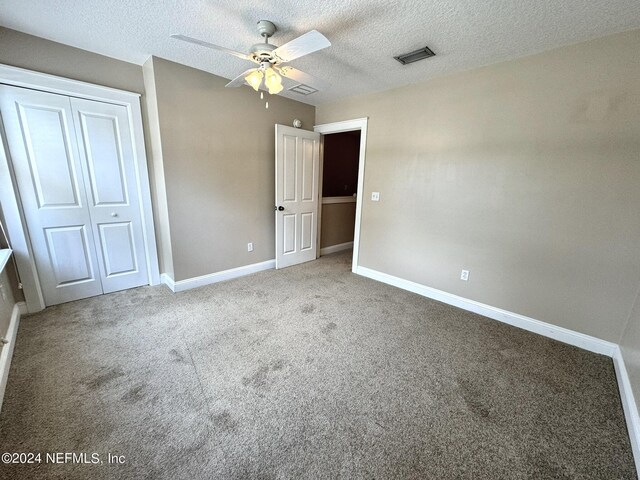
74, 166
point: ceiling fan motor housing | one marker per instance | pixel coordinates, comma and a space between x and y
266, 28
261, 52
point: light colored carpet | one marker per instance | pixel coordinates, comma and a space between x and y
307, 372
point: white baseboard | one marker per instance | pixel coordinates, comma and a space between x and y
182, 285
168, 281
629, 405
561, 334
336, 248
7, 350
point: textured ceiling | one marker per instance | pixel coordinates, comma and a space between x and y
365, 34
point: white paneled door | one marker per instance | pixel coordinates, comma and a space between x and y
74, 166
297, 163
106, 153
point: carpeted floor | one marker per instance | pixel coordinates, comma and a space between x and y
307, 372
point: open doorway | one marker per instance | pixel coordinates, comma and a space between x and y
341, 183
339, 186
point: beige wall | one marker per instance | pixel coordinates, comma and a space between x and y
337, 223
526, 173
630, 346
218, 155
33, 53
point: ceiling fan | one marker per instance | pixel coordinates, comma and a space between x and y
271, 59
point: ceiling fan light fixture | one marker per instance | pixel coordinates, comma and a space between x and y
273, 81
254, 79
276, 90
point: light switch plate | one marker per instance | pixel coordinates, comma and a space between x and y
375, 196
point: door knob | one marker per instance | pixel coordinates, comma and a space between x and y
114, 214
280, 208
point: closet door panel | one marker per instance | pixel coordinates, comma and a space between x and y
45, 157
108, 160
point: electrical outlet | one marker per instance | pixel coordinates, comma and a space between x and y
464, 275
375, 196
249, 247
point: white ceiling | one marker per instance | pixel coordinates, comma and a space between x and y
365, 34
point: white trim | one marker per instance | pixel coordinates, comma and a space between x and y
336, 248
330, 200
629, 405
577, 339
144, 192
320, 202
6, 353
5, 255
19, 77
195, 282
168, 281
348, 126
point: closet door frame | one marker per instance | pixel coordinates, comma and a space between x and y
10, 200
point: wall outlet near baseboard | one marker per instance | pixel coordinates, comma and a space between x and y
250, 247
375, 196
464, 275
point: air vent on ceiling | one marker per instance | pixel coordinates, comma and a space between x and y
414, 56
303, 89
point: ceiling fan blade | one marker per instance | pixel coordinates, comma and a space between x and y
303, 45
239, 80
202, 43
301, 77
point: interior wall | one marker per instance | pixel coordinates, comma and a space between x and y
218, 149
526, 173
341, 154
337, 223
34, 53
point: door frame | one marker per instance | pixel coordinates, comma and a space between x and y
339, 127
10, 199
